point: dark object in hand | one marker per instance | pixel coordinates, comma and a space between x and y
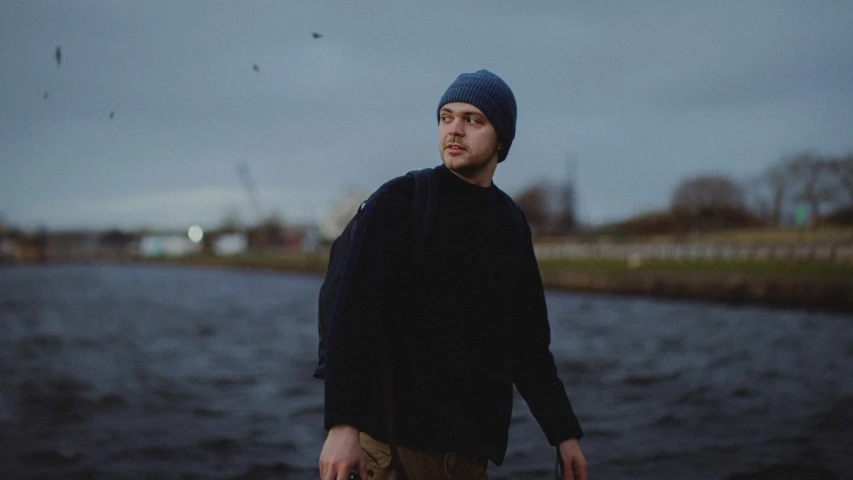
353, 475
558, 469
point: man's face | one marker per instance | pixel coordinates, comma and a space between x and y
468, 142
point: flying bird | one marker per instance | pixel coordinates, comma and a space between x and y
316, 35
255, 67
44, 96
58, 56
112, 114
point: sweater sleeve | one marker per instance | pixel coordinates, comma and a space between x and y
534, 372
361, 301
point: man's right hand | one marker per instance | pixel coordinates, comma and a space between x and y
341, 453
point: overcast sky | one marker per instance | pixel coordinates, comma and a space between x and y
641, 96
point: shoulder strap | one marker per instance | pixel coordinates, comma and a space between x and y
423, 208
355, 220
422, 216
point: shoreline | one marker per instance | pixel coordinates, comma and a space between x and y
786, 292
835, 296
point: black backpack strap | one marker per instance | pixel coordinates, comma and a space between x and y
423, 208
355, 220
329, 289
347, 255
422, 216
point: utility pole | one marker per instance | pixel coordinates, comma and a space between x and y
569, 200
249, 185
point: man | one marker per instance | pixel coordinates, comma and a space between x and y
465, 319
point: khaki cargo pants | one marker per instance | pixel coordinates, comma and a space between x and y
420, 465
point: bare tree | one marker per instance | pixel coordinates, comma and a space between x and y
549, 207
770, 192
533, 201
817, 184
780, 183
822, 183
703, 193
806, 168
566, 221
842, 169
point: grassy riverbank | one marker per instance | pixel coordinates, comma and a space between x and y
764, 236
812, 284
772, 268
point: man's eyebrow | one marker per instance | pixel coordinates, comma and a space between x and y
466, 112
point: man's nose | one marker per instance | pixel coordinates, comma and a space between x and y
455, 128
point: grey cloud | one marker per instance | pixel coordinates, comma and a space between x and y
641, 94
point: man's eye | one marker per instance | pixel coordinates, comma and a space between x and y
445, 118
473, 120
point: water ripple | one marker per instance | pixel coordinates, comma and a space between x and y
166, 372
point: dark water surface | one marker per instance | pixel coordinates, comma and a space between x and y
118, 371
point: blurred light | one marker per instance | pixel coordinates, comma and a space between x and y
195, 233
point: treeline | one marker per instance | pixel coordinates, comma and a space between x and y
816, 188
804, 190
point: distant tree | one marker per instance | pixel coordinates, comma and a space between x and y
841, 217
835, 190
704, 193
813, 184
566, 221
549, 207
842, 169
682, 222
770, 192
533, 200
823, 183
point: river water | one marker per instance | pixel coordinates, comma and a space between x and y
132, 371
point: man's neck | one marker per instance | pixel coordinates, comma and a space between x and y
481, 177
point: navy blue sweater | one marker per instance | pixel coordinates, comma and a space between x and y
466, 321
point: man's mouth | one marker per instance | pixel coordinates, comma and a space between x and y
454, 146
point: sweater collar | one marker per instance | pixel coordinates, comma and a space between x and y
459, 186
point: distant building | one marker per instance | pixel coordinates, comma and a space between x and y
167, 246
230, 244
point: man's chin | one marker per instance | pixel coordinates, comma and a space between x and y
448, 161
457, 166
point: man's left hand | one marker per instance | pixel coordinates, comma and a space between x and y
574, 463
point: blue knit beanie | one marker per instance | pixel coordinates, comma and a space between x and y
492, 96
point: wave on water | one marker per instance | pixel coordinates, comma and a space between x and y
129, 372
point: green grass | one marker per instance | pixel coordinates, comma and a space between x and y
765, 236
765, 268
